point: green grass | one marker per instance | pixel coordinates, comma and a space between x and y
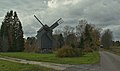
12, 66
88, 58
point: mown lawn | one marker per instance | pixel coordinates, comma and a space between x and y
12, 66
88, 58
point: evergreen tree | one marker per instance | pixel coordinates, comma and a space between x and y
18, 33
11, 33
4, 33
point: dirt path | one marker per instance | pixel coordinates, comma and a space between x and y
109, 62
45, 64
61, 67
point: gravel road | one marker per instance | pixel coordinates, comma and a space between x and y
108, 62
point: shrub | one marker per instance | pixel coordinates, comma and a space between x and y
67, 51
87, 49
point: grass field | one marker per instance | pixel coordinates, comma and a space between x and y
11, 66
115, 50
89, 58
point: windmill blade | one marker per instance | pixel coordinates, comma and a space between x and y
38, 20
59, 21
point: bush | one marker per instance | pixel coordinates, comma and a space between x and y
67, 51
88, 49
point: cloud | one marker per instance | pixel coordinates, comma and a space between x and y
103, 13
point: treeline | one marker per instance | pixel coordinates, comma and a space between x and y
82, 38
11, 33
85, 36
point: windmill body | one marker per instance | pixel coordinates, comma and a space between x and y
45, 40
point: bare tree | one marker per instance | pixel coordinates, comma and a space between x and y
80, 27
67, 30
69, 35
106, 39
58, 31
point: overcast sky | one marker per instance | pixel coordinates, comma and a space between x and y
102, 13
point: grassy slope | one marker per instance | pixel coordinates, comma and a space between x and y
11, 66
86, 59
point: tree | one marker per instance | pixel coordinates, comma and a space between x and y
80, 28
58, 31
68, 30
69, 35
6, 32
0, 43
88, 36
11, 33
116, 43
95, 38
71, 40
61, 40
58, 36
106, 39
18, 33
88, 41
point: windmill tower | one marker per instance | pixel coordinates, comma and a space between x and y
45, 40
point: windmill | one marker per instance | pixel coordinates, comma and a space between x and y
45, 40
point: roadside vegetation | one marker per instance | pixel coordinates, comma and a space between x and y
12, 66
88, 58
115, 50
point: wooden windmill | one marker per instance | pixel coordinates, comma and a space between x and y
44, 35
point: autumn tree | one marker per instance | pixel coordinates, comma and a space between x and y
88, 36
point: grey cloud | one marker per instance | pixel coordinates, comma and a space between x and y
102, 13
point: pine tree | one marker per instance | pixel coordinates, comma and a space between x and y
11, 33
18, 33
4, 33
